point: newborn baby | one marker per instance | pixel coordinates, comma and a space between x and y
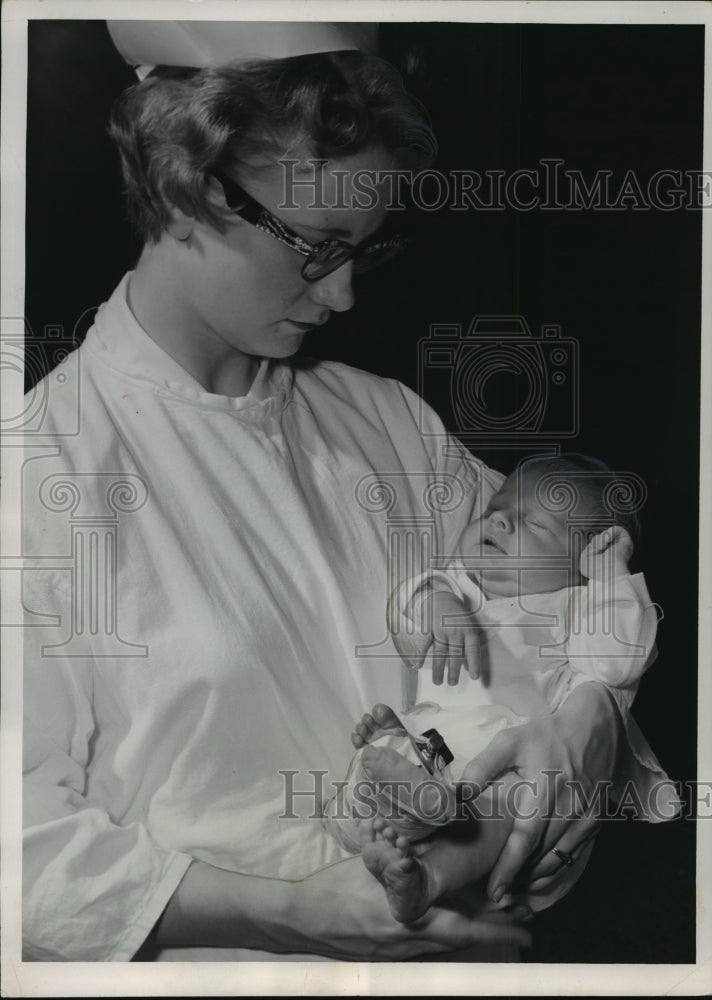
537, 601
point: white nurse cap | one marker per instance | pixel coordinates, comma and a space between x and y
145, 44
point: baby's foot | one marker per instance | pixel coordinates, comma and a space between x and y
411, 799
373, 724
389, 858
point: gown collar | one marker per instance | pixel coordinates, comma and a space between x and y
120, 342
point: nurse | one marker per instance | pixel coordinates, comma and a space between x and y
220, 522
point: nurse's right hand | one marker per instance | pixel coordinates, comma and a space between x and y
340, 912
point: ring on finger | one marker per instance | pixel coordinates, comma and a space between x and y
568, 859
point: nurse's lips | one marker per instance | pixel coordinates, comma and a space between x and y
307, 326
300, 327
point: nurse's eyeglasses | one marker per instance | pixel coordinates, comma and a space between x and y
322, 258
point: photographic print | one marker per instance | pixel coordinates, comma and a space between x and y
353, 376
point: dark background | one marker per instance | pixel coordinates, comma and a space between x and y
626, 285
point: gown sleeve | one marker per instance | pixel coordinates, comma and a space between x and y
92, 890
409, 613
610, 634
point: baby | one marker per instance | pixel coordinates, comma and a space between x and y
538, 600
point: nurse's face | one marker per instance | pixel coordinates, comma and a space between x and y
244, 289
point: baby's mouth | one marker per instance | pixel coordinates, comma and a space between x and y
494, 545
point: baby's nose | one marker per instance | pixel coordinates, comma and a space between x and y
501, 520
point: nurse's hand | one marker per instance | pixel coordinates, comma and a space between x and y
342, 913
577, 743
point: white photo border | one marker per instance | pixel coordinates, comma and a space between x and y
314, 978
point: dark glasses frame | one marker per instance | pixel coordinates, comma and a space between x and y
323, 258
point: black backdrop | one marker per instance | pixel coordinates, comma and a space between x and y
626, 285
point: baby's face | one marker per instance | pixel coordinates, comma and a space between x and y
515, 526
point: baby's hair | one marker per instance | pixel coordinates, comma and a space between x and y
179, 125
602, 497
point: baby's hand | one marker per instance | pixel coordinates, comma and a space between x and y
453, 644
607, 555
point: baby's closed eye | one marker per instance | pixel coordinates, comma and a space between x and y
536, 524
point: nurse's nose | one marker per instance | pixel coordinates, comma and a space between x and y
335, 290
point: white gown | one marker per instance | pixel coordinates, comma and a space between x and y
206, 582
228, 622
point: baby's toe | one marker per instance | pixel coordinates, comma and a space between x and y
363, 731
403, 845
385, 716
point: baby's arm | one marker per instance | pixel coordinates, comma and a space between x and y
611, 623
430, 612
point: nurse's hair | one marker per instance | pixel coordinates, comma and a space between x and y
179, 124
594, 494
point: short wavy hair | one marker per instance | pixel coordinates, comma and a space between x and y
179, 124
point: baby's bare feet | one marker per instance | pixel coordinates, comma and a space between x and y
389, 858
373, 724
